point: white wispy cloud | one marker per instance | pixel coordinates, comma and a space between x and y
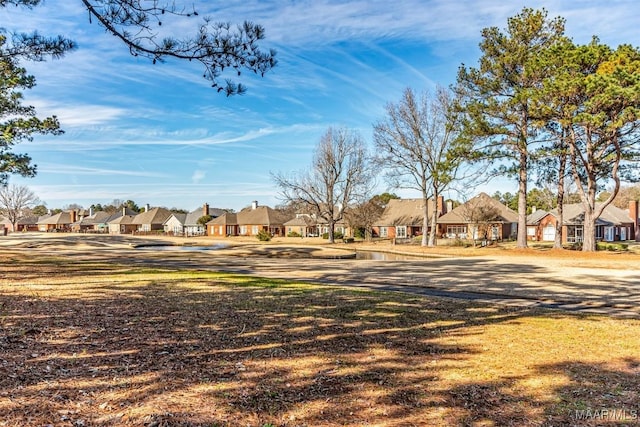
198, 176
62, 169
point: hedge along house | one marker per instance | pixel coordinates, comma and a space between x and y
614, 224
481, 217
403, 218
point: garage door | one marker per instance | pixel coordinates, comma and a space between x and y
549, 233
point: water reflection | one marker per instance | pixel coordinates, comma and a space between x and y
182, 248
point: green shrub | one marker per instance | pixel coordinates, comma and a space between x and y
294, 234
264, 236
612, 247
336, 236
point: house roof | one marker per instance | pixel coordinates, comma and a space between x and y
120, 213
122, 219
405, 212
152, 216
226, 218
62, 218
30, 219
191, 219
100, 217
573, 214
464, 213
262, 215
181, 217
534, 218
301, 220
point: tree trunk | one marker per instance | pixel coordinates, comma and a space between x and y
589, 232
425, 219
557, 243
522, 202
332, 224
434, 222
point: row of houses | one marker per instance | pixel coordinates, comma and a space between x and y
482, 217
125, 221
486, 218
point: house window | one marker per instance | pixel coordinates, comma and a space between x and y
456, 231
531, 231
574, 234
146, 227
383, 232
401, 231
254, 230
495, 235
243, 230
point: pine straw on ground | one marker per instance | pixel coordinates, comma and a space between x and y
84, 344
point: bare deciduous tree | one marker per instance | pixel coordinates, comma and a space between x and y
14, 200
481, 218
418, 146
339, 173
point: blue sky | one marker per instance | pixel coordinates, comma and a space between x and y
159, 134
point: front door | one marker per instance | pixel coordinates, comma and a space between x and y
549, 233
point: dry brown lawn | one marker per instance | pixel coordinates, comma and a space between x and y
93, 344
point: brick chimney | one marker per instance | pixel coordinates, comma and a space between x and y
441, 207
74, 215
205, 209
633, 214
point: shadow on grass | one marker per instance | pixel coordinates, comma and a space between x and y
199, 352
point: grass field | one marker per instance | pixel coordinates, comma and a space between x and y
85, 344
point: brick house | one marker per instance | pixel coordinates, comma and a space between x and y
614, 224
403, 218
479, 218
